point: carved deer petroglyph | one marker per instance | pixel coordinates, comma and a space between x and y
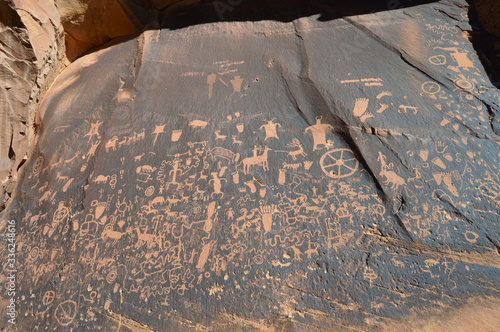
300, 150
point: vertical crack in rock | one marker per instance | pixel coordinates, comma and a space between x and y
287, 82
493, 117
307, 92
313, 95
404, 56
417, 65
496, 243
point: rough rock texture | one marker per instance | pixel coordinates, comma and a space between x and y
486, 36
489, 15
31, 53
310, 175
88, 24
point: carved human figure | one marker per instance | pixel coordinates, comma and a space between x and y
94, 130
319, 131
270, 128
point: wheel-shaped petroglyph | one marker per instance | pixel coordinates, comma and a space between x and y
65, 312
61, 213
438, 60
430, 87
339, 163
463, 83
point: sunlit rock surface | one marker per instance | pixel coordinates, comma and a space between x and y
301, 176
88, 24
31, 53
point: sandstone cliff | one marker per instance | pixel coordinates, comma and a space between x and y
31, 51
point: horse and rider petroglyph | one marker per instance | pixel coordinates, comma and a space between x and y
260, 160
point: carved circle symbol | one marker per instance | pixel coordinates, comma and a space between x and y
113, 181
111, 276
430, 87
258, 259
61, 213
471, 236
437, 60
33, 254
464, 84
37, 167
65, 312
48, 297
339, 163
149, 191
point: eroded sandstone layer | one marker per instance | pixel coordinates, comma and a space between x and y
31, 55
301, 176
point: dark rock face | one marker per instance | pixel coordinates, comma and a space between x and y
311, 175
489, 15
484, 17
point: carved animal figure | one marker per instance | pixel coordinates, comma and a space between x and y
173, 201
397, 262
149, 239
44, 187
61, 177
219, 136
45, 196
101, 179
297, 253
139, 157
392, 178
149, 209
235, 140
145, 169
111, 144
198, 124
123, 142
109, 233
300, 150
158, 200
141, 135
310, 252
257, 160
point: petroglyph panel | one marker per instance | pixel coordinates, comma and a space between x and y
268, 175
